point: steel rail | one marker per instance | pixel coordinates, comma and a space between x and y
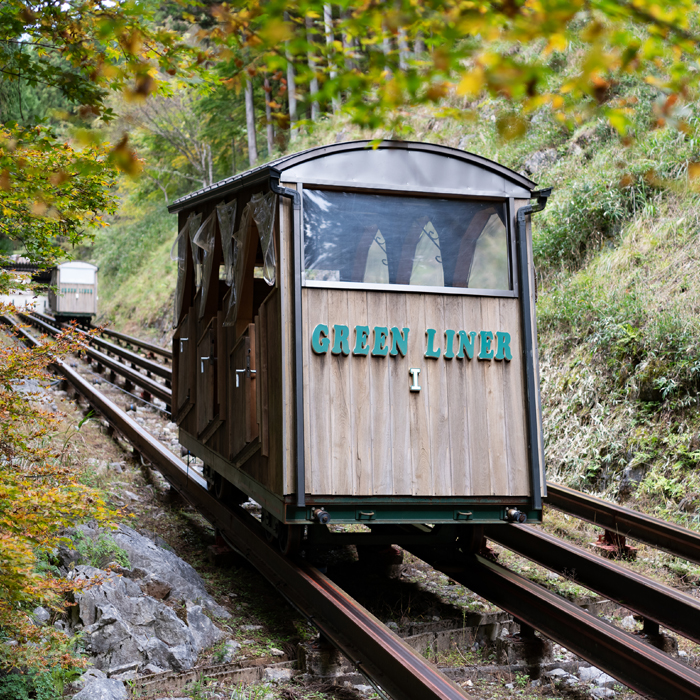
674, 539
150, 385
626, 657
138, 342
128, 355
374, 650
652, 600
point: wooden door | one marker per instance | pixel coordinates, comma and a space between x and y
207, 397
242, 414
184, 344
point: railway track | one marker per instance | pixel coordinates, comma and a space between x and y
393, 667
626, 657
150, 387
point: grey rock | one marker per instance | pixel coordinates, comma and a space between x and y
61, 626
631, 478
510, 686
606, 681
230, 651
185, 582
364, 689
204, 630
151, 670
277, 675
556, 673
251, 628
131, 495
127, 630
126, 675
103, 689
67, 557
602, 693
92, 674
276, 652
540, 159
589, 674
628, 623
41, 615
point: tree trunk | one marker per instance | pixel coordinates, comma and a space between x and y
211, 164
313, 85
250, 123
292, 98
328, 27
419, 44
403, 49
270, 129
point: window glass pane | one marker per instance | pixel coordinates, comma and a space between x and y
390, 239
377, 267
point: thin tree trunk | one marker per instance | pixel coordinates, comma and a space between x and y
292, 98
270, 129
250, 123
419, 44
211, 164
291, 92
313, 85
233, 155
328, 27
403, 49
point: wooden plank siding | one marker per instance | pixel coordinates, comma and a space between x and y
366, 434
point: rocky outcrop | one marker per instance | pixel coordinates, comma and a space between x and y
166, 566
144, 619
103, 689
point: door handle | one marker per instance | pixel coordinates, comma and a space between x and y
211, 361
247, 371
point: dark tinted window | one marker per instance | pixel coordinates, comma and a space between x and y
386, 239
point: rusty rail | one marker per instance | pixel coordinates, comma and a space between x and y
130, 339
674, 539
376, 651
654, 601
139, 343
134, 358
626, 657
146, 383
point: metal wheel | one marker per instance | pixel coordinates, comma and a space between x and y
289, 540
226, 492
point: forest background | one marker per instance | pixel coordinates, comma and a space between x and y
109, 111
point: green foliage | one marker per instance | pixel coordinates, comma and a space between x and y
49, 192
592, 208
35, 685
122, 250
100, 551
383, 59
15, 687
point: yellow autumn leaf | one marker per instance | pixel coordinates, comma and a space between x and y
472, 83
557, 42
276, 32
693, 171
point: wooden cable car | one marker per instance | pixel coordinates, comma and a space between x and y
356, 342
73, 291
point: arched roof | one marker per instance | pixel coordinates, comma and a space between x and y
393, 165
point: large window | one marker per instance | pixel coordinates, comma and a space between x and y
378, 239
